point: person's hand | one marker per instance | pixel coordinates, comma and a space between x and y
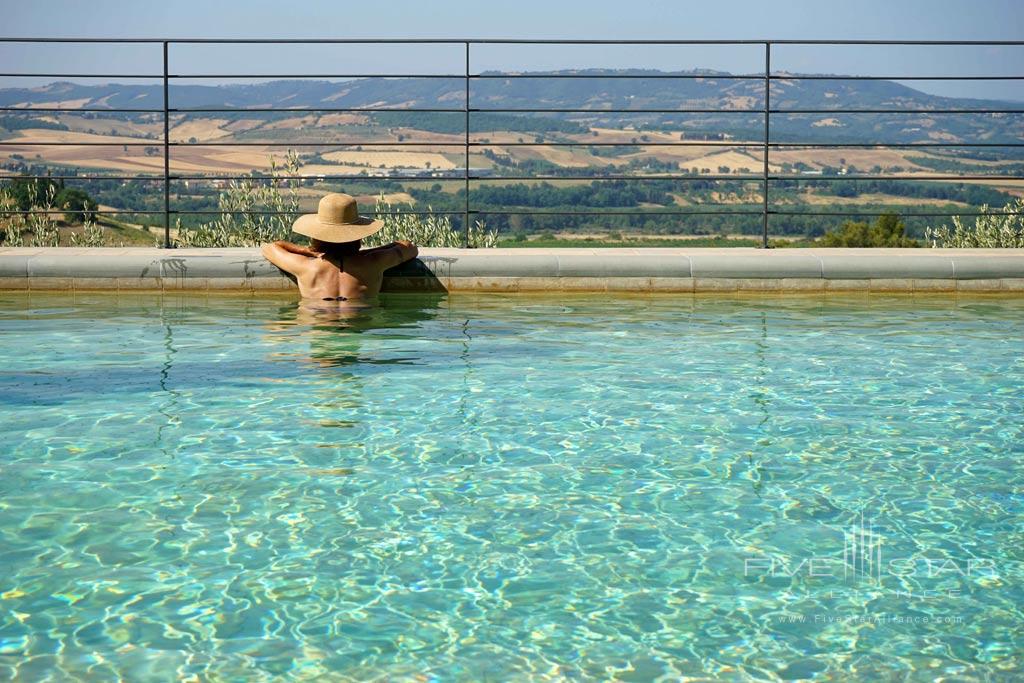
405, 243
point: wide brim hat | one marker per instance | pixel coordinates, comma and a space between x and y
336, 219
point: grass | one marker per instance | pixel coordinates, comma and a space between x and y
121, 232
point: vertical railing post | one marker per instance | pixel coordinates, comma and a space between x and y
767, 129
167, 157
465, 216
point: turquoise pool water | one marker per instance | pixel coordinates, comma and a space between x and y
512, 488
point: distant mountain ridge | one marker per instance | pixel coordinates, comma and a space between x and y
711, 90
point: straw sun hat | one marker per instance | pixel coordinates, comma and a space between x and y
336, 219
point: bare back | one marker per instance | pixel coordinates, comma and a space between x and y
354, 276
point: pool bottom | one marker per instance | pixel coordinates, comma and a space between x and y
510, 487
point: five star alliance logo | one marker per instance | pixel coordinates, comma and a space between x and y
862, 551
862, 559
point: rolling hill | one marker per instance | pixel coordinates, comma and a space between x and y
710, 90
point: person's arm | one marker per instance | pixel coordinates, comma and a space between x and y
392, 254
297, 249
390, 245
287, 256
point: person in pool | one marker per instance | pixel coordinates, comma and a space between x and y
333, 267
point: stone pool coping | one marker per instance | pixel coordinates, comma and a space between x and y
653, 269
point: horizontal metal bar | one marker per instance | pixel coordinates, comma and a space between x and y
228, 41
716, 177
67, 110
897, 42
83, 40
512, 212
724, 77
65, 143
406, 143
397, 143
897, 111
951, 178
641, 143
100, 212
461, 176
80, 177
297, 213
507, 41
899, 213
214, 212
383, 41
276, 110
303, 76
482, 76
318, 177
624, 177
817, 77
828, 145
733, 213
739, 177
691, 143
59, 75
557, 41
462, 41
460, 111
618, 111
503, 212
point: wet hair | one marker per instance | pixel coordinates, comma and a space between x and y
335, 248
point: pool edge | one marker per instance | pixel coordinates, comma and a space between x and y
668, 270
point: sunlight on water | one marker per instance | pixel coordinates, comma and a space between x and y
510, 487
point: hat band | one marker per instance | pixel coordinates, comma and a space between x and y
323, 222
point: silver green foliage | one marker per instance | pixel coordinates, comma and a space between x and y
91, 236
430, 230
990, 230
37, 229
239, 226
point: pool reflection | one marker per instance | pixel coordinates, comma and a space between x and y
334, 330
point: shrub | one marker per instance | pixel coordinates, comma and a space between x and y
431, 230
888, 231
79, 206
989, 230
40, 229
239, 226
92, 236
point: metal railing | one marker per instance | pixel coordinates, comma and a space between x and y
766, 144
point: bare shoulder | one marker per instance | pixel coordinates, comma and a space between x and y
285, 259
390, 255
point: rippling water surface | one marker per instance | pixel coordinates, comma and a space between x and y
512, 488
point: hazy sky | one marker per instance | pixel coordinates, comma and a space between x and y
637, 19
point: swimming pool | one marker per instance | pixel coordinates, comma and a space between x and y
512, 488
